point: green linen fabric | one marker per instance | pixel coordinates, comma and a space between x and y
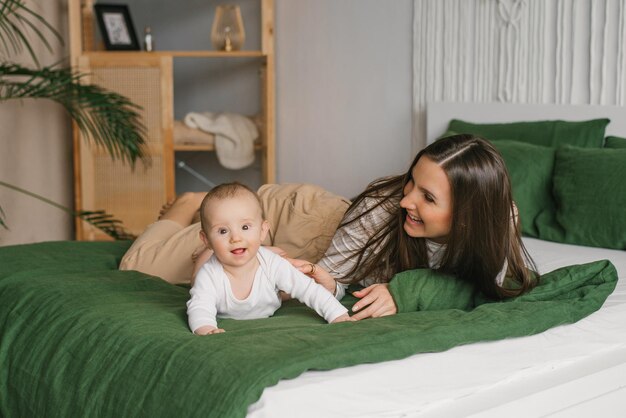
590, 193
614, 142
427, 290
530, 169
81, 338
551, 133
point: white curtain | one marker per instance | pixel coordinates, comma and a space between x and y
519, 51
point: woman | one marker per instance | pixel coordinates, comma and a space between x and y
452, 211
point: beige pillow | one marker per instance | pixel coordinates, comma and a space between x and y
303, 218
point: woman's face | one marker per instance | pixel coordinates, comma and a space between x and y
428, 202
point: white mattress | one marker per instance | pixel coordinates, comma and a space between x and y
571, 370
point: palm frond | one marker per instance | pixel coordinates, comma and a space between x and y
99, 218
107, 118
106, 223
17, 21
2, 218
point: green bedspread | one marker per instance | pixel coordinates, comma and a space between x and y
80, 338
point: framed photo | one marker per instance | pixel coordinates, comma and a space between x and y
116, 27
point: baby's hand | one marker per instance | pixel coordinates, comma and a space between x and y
343, 318
208, 329
201, 255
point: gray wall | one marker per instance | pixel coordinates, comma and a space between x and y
343, 91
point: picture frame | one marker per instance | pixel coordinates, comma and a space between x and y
116, 27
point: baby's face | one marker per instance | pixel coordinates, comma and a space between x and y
235, 229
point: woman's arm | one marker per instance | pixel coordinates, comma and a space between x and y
365, 220
294, 282
340, 258
317, 273
376, 300
337, 261
199, 257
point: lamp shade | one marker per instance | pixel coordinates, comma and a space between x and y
227, 33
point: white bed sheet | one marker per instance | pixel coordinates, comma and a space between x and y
565, 370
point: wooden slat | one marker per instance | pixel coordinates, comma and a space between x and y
182, 54
204, 147
167, 120
75, 37
87, 25
268, 96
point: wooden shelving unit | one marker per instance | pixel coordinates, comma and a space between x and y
134, 196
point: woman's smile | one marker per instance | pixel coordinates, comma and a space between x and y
414, 219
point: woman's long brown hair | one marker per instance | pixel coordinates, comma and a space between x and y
482, 235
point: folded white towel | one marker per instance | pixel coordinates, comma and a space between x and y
234, 136
183, 134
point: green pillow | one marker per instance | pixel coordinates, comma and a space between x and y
590, 193
549, 133
530, 169
614, 142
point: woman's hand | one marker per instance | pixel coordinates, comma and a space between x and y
199, 257
317, 273
277, 250
376, 301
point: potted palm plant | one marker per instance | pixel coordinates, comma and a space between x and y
107, 118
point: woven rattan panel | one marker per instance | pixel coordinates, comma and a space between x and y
132, 196
142, 85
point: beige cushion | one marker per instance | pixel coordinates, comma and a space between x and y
303, 218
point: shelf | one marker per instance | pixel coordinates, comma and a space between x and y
180, 54
204, 147
147, 79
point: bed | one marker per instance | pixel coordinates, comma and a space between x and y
572, 370
80, 338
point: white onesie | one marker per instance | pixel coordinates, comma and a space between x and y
211, 294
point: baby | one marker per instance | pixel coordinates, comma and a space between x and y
241, 279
